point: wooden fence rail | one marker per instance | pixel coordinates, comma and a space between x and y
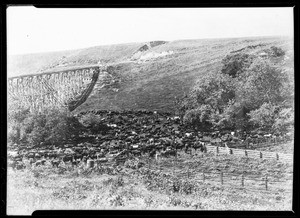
257, 143
250, 153
236, 180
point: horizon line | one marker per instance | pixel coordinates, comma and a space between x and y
75, 49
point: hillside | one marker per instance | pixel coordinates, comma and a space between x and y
148, 75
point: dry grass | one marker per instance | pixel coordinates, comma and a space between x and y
49, 188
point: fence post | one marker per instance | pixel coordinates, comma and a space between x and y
277, 156
221, 175
230, 151
203, 177
217, 149
260, 155
242, 180
246, 153
173, 169
266, 181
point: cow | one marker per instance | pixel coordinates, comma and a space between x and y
157, 155
152, 153
55, 163
168, 152
40, 162
187, 148
68, 158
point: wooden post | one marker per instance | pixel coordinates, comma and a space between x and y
230, 151
260, 155
242, 180
246, 153
217, 150
221, 176
90, 164
277, 156
266, 181
173, 169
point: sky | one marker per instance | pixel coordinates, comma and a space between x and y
34, 30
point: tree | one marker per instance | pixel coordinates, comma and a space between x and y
261, 83
200, 117
264, 117
284, 120
50, 126
214, 90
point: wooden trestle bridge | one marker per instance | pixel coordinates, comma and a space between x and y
62, 88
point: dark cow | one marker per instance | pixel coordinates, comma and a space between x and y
55, 163
152, 153
168, 152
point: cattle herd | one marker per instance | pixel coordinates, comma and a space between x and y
131, 133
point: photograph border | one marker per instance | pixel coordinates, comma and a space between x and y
135, 213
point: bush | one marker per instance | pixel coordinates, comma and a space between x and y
262, 82
270, 116
51, 126
284, 121
16, 116
277, 52
243, 96
235, 64
263, 117
200, 117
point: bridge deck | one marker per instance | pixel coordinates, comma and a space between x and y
55, 71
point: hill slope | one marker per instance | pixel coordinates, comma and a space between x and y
147, 75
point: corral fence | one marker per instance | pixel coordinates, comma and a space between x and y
245, 181
251, 182
254, 143
251, 153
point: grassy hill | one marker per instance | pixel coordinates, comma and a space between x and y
148, 75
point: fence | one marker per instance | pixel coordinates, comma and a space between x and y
237, 180
251, 153
259, 142
244, 181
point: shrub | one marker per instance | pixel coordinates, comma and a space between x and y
51, 126
262, 82
175, 201
16, 116
199, 117
264, 117
284, 121
235, 64
117, 201
187, 187
277, 52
